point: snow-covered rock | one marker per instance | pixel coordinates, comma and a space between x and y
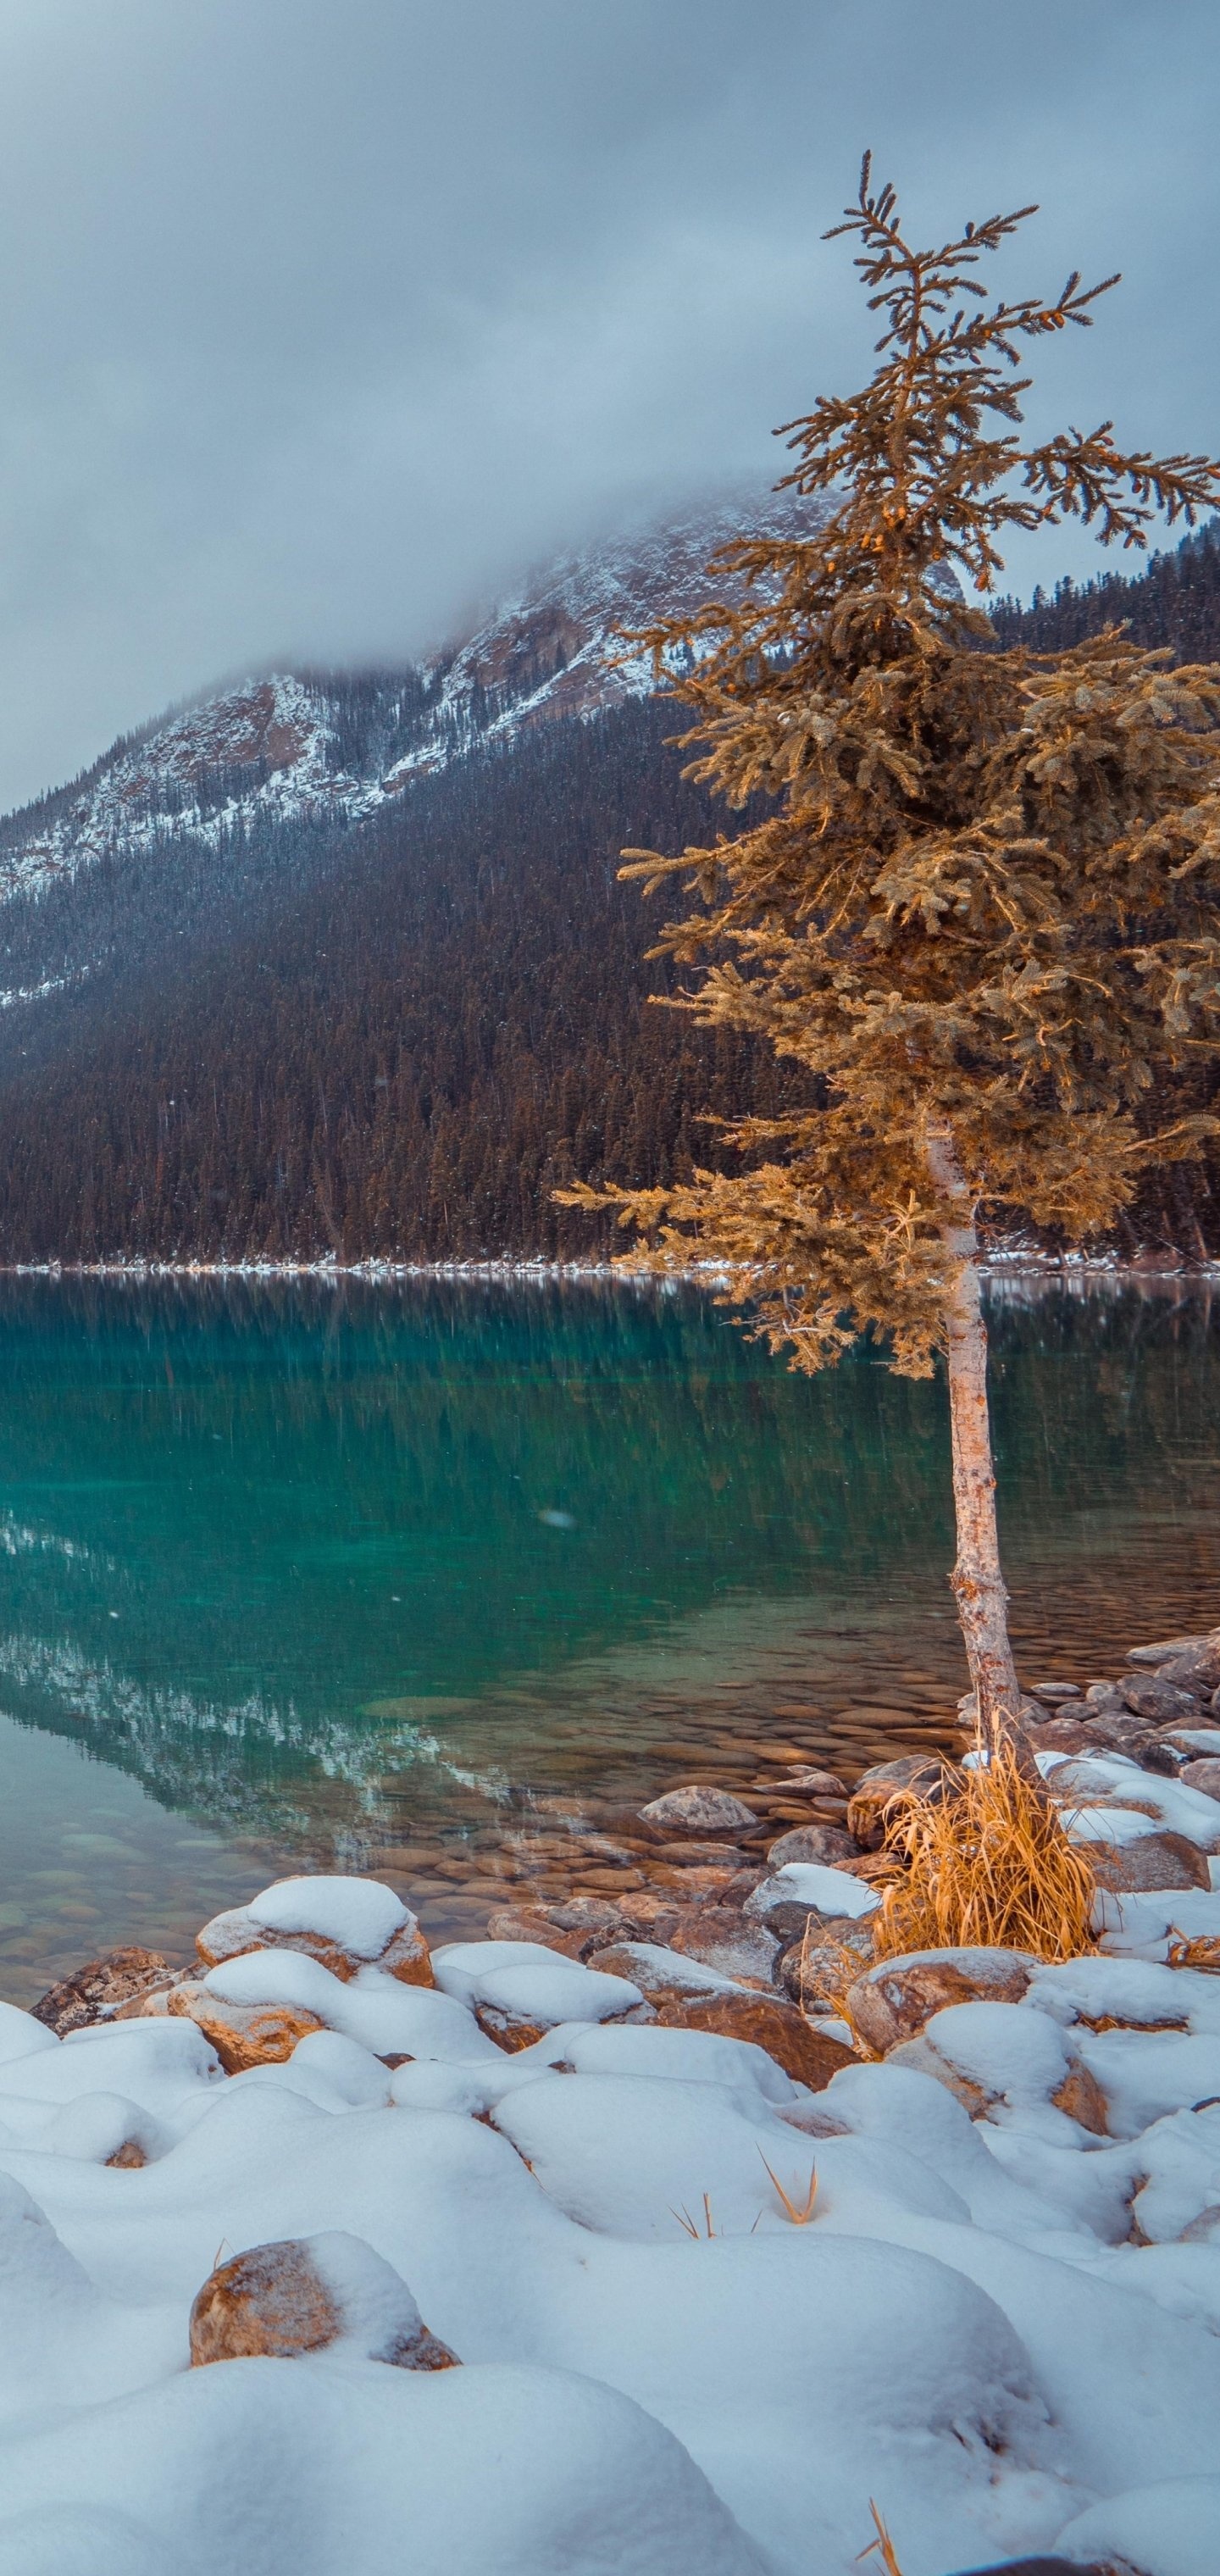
706, 2316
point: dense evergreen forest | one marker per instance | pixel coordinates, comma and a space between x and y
1176, 601
399, 1037
395, 1038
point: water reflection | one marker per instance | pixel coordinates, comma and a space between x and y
353, 1569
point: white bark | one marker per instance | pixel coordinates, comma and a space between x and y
978, 1584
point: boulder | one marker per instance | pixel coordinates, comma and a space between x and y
1154, 1860
808, 1784
509, 2030
242, 2035
92, 1993
700, 1855
404, 1954
804, 2054
1081, 2097
1062, 1735
813, 1842
1197, 1671
1158, 1702
813, 1971
1168, 1649
298, 2296
698, 1810
879, 1793
937, 2049
720, 1936
1204, 1775
663, 1976
921, 2056
893, 2000
524, 1924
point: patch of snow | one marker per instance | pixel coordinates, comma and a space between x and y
358, 1914
803, 1882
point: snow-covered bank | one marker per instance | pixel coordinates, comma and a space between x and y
1006, 1264
704, 2315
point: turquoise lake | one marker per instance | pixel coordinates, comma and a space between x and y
353, 1574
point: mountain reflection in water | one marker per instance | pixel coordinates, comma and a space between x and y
354, 1572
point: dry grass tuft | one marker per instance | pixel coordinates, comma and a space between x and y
991, 1868
691, 2227
798, 2213
882, 2546
1202, 1952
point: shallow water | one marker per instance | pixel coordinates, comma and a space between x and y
421, 1579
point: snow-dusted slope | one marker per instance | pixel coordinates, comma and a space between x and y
317, 743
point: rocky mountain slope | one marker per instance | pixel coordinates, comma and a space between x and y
341, 745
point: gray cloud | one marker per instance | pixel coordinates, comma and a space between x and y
318, 318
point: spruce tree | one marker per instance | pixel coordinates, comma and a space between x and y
980, 905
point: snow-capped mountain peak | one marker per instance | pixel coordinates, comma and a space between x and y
311, 744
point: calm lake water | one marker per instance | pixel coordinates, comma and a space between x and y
383, 1577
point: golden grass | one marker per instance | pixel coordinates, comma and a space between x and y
1201, 1952
882, 2546
990, 1868
798, 2213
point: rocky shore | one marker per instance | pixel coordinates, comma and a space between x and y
664, 2228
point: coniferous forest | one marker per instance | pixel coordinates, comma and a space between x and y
399, 1038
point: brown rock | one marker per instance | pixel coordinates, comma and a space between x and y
879, 1793
804, 2054
667, 1979
1158, 1702
93, 1993
877, 1869
823, 1843
510, 2031
129, 2157
243, 2034
1061, 1735
894, 2000
1052, 1693
723, 1940
924, 2058
1197, 1671
814, 1972
525, 1925
1167, 1650
1204, 1775
405, 1956
229, 1935
697, 1810
1156, 1860
700, 1855
1117, 1731
275, 2301
1081, 2096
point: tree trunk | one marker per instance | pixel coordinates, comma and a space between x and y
978, 1584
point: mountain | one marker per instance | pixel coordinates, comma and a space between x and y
305, 746
339, 966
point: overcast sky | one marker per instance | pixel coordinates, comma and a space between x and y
320, 318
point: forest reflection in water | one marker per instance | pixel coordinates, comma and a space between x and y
345, 1571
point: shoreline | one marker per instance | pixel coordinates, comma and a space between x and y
509, 2233
1021, 1262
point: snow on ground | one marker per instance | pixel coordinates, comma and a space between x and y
705, 2319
